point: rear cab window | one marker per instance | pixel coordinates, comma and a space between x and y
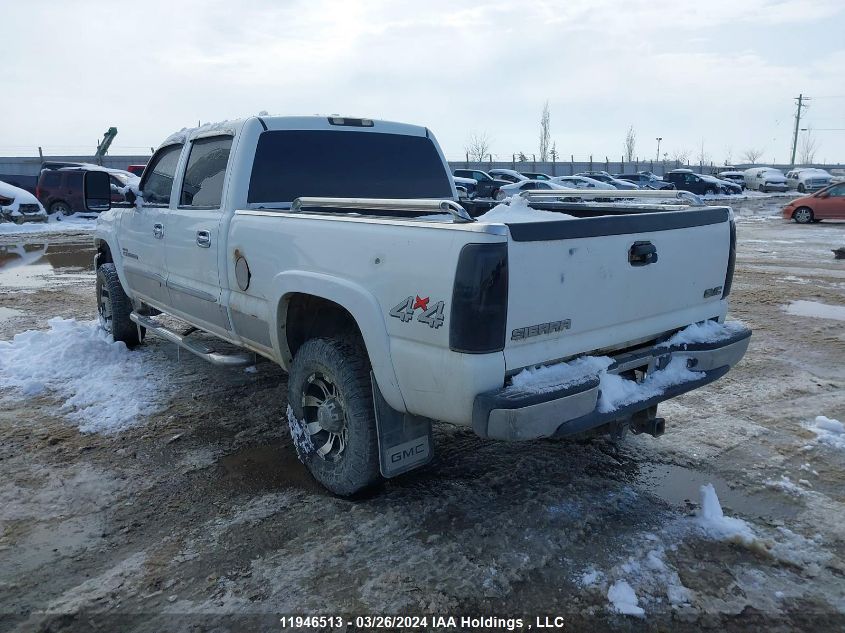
341, 164
202, 185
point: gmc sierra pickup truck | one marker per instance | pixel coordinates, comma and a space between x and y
336, 248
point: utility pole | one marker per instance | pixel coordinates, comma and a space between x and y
800, 99
659, 138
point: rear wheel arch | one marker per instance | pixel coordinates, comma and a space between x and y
103, 255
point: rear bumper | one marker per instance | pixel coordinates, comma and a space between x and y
775, 187
508, 414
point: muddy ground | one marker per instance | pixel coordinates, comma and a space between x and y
200, 517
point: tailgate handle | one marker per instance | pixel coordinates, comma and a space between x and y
642, 254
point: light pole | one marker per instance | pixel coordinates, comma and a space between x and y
659, 138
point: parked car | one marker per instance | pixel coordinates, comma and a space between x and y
533, 175
827, 204
700, 184
19, 206
487, 186
581, 182
765, 179
808, 179
137, 170
506, 191
385, 325
507, 174
603, 176
646, 180
733, 175
60, 190
466, 186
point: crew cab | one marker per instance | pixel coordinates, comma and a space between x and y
390, 307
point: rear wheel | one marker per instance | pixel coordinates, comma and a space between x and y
709, 191
331, 415
114, 307
803, 215
61, 207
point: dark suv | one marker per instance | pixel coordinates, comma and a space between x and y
701, 184
487, 187
60, 190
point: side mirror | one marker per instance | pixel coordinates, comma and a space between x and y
96, 189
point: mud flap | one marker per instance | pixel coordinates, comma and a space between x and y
404, 440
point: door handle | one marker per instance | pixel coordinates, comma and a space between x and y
642, 254
158, 230
203, 239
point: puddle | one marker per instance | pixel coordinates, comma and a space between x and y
9, 313
37, 265
678, 485
269, 467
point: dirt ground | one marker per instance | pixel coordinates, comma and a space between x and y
200, 518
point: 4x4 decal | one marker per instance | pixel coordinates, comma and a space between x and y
431, 316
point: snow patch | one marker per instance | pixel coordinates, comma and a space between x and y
828, 431
785, 484
299, 434
621, 595
54, 224
815, 309
104, 387
716, 525
707, 332
517, 209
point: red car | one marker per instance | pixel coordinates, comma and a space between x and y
138, 170
827, 204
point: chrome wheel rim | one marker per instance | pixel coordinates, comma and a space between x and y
325, 416
104, 308
802, 215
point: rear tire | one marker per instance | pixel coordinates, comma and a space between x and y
114, 307
330, 396
803, 215
709, 191
61, 207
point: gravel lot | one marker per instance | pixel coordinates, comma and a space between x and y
198, 516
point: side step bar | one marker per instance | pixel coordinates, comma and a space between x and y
193, 346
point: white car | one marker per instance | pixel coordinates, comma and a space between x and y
506, 191
508, 174
18, 205
808, 179
390, 307
582, 182
465, 186
765, 179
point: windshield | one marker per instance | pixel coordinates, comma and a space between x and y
342, 164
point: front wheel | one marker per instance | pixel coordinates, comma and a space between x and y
331, 415
114, 307
60, 207
761, 189
802, 189
803, 215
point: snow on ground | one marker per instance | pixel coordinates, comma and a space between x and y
815, 309
103, 386
54, 224
621, 595
716, 525
828, 431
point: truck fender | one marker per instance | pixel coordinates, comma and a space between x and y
363, 307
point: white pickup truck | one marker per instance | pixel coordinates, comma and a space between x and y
336, 248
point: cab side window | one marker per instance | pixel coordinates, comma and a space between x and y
202, 185
158, 177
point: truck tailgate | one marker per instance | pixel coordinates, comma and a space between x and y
579, 285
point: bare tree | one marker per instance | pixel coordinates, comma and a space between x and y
630, 144
553, 152
703, 157
809, 145
752, 155
521, 157
680, 156
478, 146
545, 132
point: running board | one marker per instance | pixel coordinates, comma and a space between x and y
193, 346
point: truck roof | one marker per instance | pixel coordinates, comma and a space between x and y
309, 122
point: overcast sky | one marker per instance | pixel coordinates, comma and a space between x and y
719, 71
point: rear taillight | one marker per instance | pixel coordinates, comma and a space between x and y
729, 275
480, 299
